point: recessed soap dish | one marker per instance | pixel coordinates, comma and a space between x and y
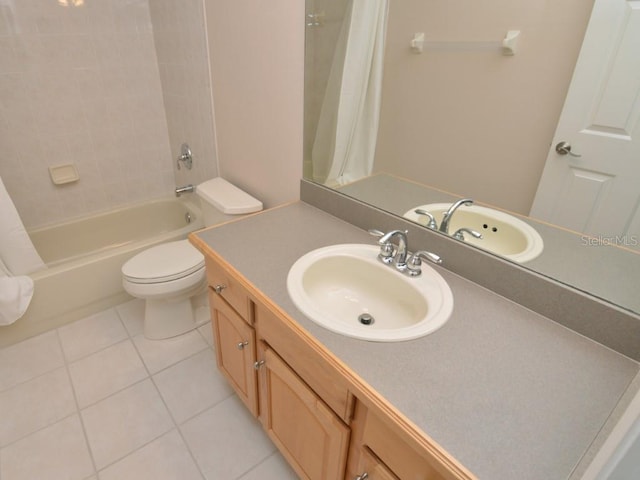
65, 173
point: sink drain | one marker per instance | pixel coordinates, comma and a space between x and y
365, 319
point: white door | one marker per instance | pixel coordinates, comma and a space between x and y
599, 191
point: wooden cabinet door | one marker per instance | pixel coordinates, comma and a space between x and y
307, 432
235, 351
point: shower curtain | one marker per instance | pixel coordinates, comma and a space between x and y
18, 257
345, 142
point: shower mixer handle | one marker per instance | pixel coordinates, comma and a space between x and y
185, 157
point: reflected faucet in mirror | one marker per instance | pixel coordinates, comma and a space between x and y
448, 215
446, 220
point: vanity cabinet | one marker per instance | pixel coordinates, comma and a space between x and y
309, 434
325, 421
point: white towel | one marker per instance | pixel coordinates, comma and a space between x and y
15, 296
16, 249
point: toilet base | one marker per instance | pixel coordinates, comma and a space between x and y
166, 319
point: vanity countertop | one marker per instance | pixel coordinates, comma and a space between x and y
509, 393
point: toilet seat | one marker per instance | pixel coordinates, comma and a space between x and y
163, 263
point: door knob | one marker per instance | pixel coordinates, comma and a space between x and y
564, 148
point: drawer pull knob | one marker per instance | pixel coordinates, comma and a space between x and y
219, 288
364, 476
241, 345
258, 364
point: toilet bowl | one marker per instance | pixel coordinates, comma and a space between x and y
167, 277
171, 277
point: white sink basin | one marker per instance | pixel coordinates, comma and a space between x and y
335, 285
503, 234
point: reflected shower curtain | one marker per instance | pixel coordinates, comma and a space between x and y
345, 142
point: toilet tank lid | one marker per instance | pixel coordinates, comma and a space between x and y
227, 198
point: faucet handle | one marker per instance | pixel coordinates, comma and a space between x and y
415, 262
387, 250
432, 221
459, 235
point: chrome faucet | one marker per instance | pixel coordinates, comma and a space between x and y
401, 253
388, 253
186, 189
446, 217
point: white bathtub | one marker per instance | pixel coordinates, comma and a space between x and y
84, 258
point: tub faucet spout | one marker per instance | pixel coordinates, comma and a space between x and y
186, 189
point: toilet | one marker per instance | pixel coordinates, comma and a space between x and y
170, 277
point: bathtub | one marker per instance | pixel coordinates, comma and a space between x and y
84, 258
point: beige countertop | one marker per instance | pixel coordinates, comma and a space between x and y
509, 393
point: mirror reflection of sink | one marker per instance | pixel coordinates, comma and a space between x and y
346, 289
503, 234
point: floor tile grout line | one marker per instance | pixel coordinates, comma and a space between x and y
119, 390
191, 454
78, 410
137, 449
22, 382
174, 425
101, 349
44, 427
253, 467
42, 374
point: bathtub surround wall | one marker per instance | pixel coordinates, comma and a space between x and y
80, 84
179, 31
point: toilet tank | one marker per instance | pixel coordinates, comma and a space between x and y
220, 198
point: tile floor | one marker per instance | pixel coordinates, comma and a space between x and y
96, 400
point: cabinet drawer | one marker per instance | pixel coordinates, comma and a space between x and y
398, 455
229, 288
325, 380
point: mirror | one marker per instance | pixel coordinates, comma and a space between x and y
456, 118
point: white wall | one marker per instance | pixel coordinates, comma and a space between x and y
463, 117
257, 54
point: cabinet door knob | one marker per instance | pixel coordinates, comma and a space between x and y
219, 288
258, 364
364, 476
241, 345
